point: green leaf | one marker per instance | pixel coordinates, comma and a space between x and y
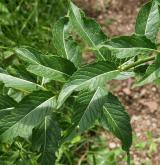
125, 75
47, 72
29, 55
90, 76
3, 8
140, 71
123, 47
18, 83
52, 67
87, 29
152, 73
21, 72
109, 56
148, 20
65, 45
16, 95
117, 121
88, 108
47, 137
26, 115
6, 104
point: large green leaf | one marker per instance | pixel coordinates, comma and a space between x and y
46, 138
88, 108
26, 115
152, 73
148, 20
52, 67
65, 45
90, 76
18, 83
87, 29
117, 121
123, 47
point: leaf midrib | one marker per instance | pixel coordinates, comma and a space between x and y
64, 43
87, 34
48, 68
113, 121
45, 130
28, 57
19, 79
144, 80
142, 48
35, 109
146, 29
7, 109
87, 108
97, 77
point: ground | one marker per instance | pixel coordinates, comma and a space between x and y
117, 17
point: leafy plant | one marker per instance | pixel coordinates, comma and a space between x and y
48, 100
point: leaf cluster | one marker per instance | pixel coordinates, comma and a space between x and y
47, 100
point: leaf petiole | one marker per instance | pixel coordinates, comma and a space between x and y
139, 62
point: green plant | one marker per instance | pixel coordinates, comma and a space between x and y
29, 23
47, 100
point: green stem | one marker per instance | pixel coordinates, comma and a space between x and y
128, 158
4, 47
142, 61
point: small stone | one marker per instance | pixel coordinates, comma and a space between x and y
136, 96
112, 145
100, 17
152, 105
143, 92
127, 91
154, 89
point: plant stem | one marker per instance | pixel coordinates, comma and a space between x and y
142, 61
128, 158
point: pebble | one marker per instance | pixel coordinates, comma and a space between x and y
112, 145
